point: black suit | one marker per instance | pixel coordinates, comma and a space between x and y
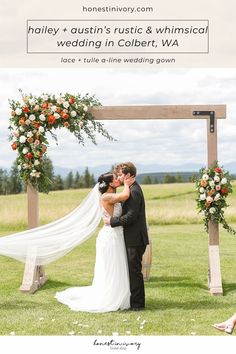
133, 220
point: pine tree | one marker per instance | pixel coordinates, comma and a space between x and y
69, 180
87, 178
58, 184
15, 184
146, 180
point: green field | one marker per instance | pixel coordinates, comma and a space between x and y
177, 297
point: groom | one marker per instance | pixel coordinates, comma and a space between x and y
133, 221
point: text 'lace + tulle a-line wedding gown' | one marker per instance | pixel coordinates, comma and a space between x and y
110, 287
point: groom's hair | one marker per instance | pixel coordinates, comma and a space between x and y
126, 167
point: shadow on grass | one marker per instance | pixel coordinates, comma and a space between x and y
229, 288
178, 282
54, 284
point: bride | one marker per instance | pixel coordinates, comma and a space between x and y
110, 287
45, 244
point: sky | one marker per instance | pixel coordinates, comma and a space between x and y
162, 142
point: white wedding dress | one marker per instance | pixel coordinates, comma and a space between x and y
110, 287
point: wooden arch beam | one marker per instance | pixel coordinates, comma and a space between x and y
156, 112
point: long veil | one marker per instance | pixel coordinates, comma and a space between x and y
52, 241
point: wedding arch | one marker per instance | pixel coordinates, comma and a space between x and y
34, 276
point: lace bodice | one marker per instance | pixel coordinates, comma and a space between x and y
117, 210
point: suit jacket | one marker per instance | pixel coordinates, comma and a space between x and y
133, 218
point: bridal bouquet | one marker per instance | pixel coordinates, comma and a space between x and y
34, 117
213, 187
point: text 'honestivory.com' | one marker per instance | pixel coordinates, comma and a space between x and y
116, 9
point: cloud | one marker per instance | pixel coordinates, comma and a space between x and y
142, 141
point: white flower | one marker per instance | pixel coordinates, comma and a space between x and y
31, 101
22, 139
32, 117
12, 333
25, 166
202, 190
22, 129
25, 150
143, 322
53, 108
45, 97
212, 210
42, 117
85, 108
202, 196
128, 332
60, 100
19, 167
115, 333
66, 104
73, 114
41, 129
217, 197
36, 162
56, 115
13, 139
99, 331
217, 179
205, 177
209, 199
18, 111
29, 134
224, 180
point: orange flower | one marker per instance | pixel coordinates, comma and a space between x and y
207, 204
14, 146
58, 109
51, 119
211, 192
65, 115
66, 124
44, 105
22, 121
29, 155
26, 109
224, 190
36, 124
203, 183
30, 140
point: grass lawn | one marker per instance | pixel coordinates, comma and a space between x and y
177, 298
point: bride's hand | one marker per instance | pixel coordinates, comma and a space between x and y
129, 180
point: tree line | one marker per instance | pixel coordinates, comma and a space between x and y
10, 183
168, 178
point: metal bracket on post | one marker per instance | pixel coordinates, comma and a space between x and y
211, 114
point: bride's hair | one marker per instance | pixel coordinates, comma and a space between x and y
104, 181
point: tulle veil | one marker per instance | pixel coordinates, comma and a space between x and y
52, 241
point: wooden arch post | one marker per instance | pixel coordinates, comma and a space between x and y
211, 113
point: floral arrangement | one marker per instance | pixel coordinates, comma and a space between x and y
34, 117
213, 187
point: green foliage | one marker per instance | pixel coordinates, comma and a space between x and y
213, 187
34, 117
